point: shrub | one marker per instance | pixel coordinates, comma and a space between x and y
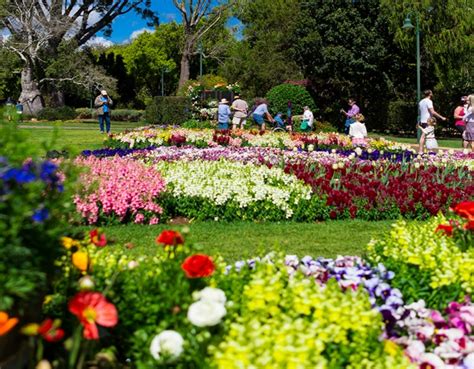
168, 110
121, 115
402, 116
210, 81
279, 96
61, 113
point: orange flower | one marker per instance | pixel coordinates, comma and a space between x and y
80, 260
6, 323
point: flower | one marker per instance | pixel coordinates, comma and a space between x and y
170, 237
68, 242
6, 323
198, 266
446, 228
92, 308
205, 313
465, 209
86, 283
50, 330
469, 361
211, 294
98, 239
80, 260
40, 215
169, 343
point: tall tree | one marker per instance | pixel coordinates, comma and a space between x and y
199, 17
38, 27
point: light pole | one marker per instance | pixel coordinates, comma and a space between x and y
407, 24
199, 49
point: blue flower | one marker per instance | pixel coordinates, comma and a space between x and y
20, 176
40, 215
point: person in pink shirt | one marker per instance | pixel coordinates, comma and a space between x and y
350, 114
459, 114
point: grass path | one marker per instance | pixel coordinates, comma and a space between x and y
239, 240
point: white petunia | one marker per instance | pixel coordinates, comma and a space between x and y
168, 343
206, 313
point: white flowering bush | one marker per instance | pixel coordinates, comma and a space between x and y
230, 190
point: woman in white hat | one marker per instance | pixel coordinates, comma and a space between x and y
223, 114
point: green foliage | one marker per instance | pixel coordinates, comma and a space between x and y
61, 113
34, 211
194, 123
10, 70
279, 96
121, 115
168, 110
209, 81
402, 117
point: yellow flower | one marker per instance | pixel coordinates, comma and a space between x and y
80, 260
68, 242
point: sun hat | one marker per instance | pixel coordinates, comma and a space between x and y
224, 101
103, 92
236, 97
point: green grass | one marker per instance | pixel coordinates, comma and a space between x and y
72, 136
239, 240
449, 142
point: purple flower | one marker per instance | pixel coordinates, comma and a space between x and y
40, 215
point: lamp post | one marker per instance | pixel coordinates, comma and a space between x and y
407, 24
199, 49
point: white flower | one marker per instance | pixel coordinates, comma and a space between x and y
469, 361
86, 283
310, 147
417, 165
168, 343
132, 264
210, 294
358, 151
206, 313
340, 165
465, 151
433, 360
441, 152
334, 166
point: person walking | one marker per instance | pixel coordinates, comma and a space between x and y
223, 115
260, 113
358, 131
350, 114
426, 111
240, 108
459, 123
468, 134
103, 103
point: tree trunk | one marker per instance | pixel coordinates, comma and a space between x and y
58, 98
30, 94
185, 65
186, 60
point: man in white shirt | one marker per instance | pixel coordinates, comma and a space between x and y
426, 111
240, 108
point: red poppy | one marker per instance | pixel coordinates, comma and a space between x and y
446, 228
465, 209
50, 331
92, 308
171, 238
469, 226
98, 239
198, 266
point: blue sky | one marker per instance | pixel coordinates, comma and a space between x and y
125, 25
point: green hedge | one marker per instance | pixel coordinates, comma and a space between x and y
61, 113
402, 117
168, 110
121, 115
279, 96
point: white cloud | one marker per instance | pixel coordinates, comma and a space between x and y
4, 34
138, 32
99, 41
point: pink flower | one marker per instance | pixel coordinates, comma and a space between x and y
139, 218
154, 220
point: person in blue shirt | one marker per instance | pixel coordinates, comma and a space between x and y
223, 114
103, 104
279, 121
260, 112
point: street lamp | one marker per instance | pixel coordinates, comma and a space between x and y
200, 50
407, 24
163, 71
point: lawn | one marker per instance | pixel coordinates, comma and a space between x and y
239, 240
231, 240
454, 143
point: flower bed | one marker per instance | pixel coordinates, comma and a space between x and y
147, 136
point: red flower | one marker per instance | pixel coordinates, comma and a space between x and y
198, 266
91, 308
469, 226
446, 228
465, 209
50, 331
98, 239
171, 238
